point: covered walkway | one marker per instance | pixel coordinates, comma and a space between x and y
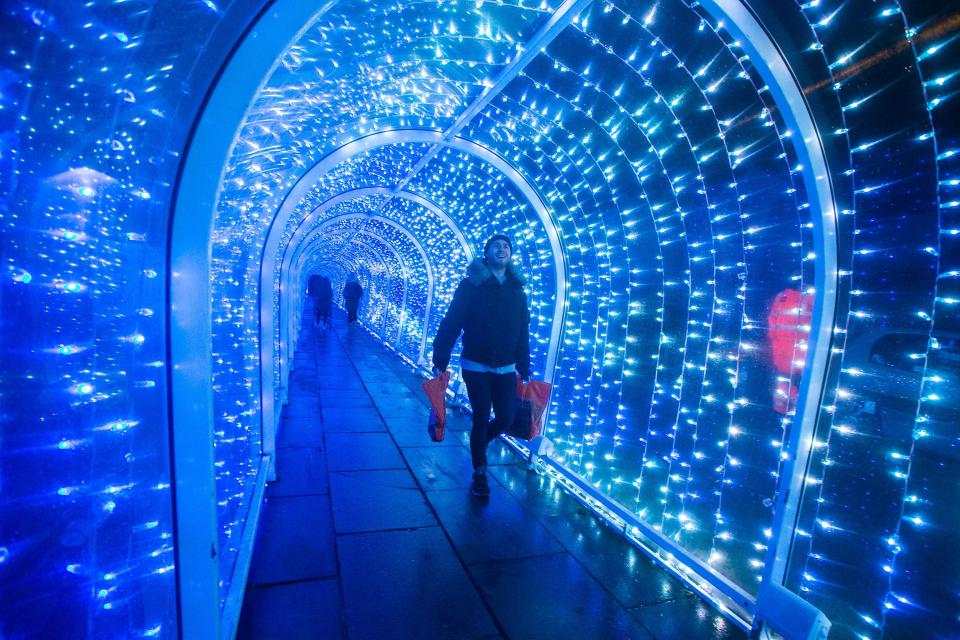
371, 531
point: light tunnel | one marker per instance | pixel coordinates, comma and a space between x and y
736, 220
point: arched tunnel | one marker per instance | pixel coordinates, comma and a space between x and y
736, 221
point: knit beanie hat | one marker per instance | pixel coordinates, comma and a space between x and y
493, 239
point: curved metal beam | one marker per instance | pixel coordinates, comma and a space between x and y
189, 345
353, 194
288, 332
431, 279
788, 95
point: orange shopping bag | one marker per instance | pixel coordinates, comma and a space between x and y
532, 401
436, 389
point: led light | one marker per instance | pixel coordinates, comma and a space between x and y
647, 142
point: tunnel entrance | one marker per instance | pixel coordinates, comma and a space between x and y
650, 264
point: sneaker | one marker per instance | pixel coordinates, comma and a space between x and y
480, 488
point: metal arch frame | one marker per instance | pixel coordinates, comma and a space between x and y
558, 21
199, 182
288, 331
767, 58
256, 56
189, 268
297, 268
770, 62
300, 256
354, 264
294, 196
353, 194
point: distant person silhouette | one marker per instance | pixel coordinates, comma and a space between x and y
324, 302
352, 293
314, 292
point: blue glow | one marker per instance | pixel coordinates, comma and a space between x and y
674, 319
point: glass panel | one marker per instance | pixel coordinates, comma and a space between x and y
874, 546
95, 106
683, 220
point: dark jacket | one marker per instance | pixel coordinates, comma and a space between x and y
352, 293
319, 287
494, 320
313, 285
325, 292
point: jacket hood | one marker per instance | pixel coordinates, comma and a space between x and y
478, 272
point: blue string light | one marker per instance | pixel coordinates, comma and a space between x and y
674, 187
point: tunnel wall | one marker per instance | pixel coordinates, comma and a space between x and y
96, 105
674, 188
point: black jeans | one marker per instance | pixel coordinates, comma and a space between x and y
484, 390
352, 311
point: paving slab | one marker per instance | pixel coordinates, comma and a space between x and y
553, 598
301, 471
408, 584
409, 433
352, 419
300, 432
498, 452
304, 610
687, 617
497, 528
402, 407
389, 390
345, 398
438, 467
295, 541
378, 500
538, 493
360, 451
621, 568
302, 407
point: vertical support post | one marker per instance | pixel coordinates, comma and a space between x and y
190, 346
425, 327
769, 61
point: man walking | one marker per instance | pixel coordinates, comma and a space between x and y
490, 309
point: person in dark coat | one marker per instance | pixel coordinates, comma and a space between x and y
352, 293
313, 292
489, 308
324, 302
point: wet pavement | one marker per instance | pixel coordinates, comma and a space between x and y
370, 531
